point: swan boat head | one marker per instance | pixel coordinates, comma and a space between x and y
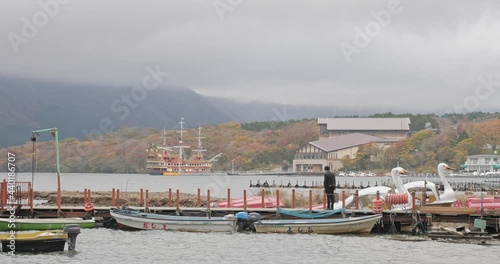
448, 193
395, 174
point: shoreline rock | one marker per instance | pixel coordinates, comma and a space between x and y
103, 198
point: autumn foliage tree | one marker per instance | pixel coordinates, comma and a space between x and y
487, 135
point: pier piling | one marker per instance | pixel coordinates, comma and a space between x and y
177, 200
199, 198
357, 199
278, 199
343, 199
170, 197
147, 199
310, 200
262, 194
118, 198
244, 200
208, 199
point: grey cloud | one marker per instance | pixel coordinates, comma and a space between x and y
281, 51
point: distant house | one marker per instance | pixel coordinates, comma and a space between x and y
329, 151
482, 163
397, 128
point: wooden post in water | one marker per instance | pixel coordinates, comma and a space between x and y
343, 199
30, 196
3, 200
209, 213
118, 197
177, 198
85, 196
169, 197
113, 197
310, 200
142, 198
89, 199
277, 199
199, 198
228, 197
147, 200
293, 198
413, 201
357, 199
263, 195
244, 200
208, 199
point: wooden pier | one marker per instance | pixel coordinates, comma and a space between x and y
392, 220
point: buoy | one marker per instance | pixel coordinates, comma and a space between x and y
377, 206
88, 207
397, 198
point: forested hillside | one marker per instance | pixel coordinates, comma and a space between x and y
124, 151
423, 150
260, 146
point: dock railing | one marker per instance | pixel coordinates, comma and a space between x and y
15, 194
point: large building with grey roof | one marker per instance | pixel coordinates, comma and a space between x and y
341, 138
379, 127
314, 156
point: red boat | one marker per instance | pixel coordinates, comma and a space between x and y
489, 203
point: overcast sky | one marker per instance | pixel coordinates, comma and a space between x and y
427, 56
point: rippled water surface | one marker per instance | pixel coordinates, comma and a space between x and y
115, 246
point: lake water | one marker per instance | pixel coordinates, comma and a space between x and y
116, 246
216, 183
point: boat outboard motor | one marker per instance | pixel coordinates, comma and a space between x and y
73, 231
245, 221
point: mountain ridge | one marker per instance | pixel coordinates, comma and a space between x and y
84, 110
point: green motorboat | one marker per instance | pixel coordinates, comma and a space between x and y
43, 223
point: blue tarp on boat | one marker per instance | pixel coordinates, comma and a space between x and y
306, 214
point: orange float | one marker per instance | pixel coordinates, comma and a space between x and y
88, 207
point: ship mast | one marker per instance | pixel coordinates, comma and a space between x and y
181, 147
200, 149
164, 137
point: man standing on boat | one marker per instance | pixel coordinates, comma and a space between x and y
329, 184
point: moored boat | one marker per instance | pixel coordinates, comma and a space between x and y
132, 219
354, 225
24, 224
40, 241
